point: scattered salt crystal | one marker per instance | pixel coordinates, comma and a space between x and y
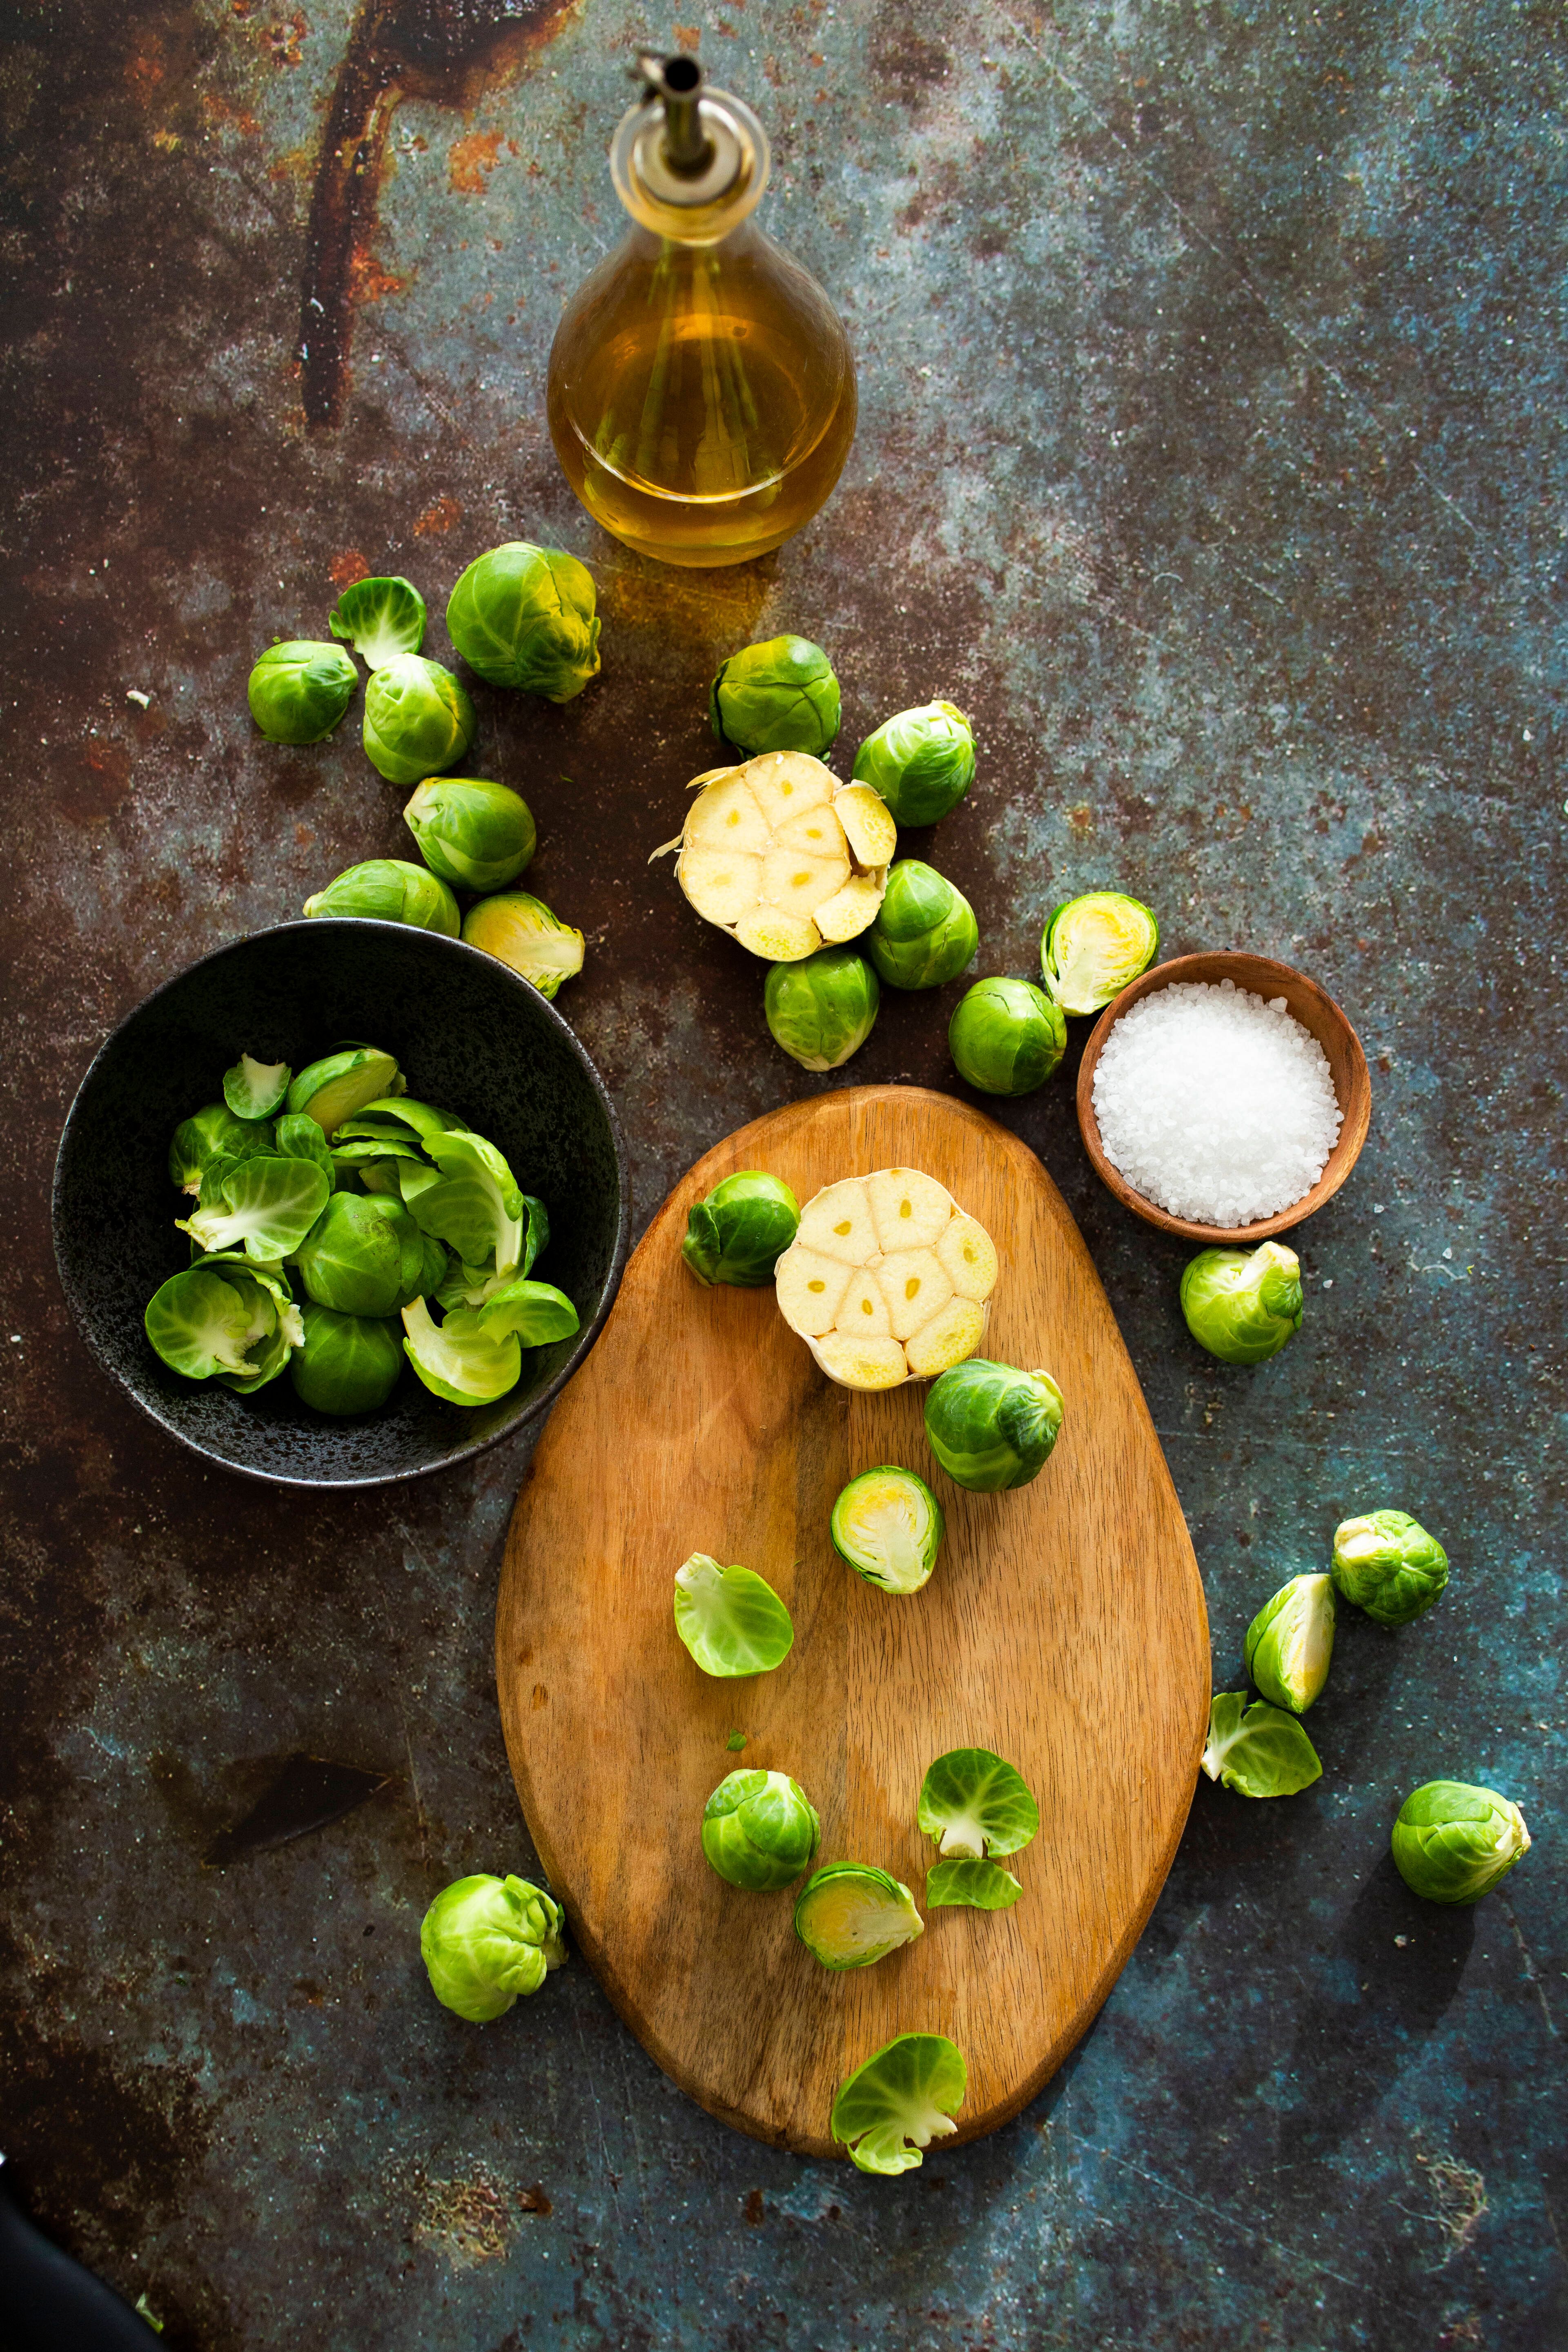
1214, 1103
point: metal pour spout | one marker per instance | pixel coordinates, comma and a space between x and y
686, 148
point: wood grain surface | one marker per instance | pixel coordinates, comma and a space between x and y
1064, 1627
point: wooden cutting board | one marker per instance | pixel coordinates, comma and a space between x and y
1064, 1627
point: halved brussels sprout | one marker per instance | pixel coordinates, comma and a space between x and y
781, 855
254, 1090
925, 932
458, 1360
1290, 1641
417, 719
1094, 947
822, 1009
921, 761
760, 1831
523, 615
340, 1084
487, 1940
300, 691
887, 1279
888, 1525
364, 1256
1006, 1036
477, 1207
902, 2097
739, 1232
211, 1135
267, 1205
849, 1914
1387, 1563
777, 697
982, 1885
380, 617
536, 1311
346, 1363
522, 931
991, 1426
1452, 1842
1257, 1750
203, 1322
1242, 1305
975, 1804
731, 1619
475, 835
390, 890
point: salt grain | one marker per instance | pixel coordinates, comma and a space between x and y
1214, 1103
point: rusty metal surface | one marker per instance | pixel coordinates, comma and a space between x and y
1211, 455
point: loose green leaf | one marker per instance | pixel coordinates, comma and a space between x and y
253, 1090
268, 1206
1257, 1750
477, 1209
731, 1619
902, 2097
458, 1360
536, 1311
380, 617
983, 1885
974, 1802
202, 1323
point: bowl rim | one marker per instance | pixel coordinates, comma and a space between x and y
1261, 970
536, 1405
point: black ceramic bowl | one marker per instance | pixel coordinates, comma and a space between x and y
469, 1035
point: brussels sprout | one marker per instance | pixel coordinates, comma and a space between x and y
536, 1311
417, 720
975, 1804
485, 1940
347, 1363
364, 1256
1453, 1842
211, 1134
268, 1204
333, 1090
475, 835
475, 1208
1257, 1750
888, 1279
1388, 1565
1006, 1036
904, 2093
1092, 946
759, 1831
524, 616
823, 1010
925, 932
983, 1885
253, 1090
201, 1322
298, 691
1290, 1641
777, 697
781, 855
458, 1360
921, 761
991, 1426
849, 1914
391, 891
522, 933
295, 1137
742, 1230
888, 1525
731, 1619
380, 618
1242, 1305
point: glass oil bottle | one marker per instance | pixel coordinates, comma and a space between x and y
701, 396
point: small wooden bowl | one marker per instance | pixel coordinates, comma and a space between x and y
1316, 1012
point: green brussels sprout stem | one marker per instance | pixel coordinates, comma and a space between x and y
299, 690
1006, 1036
901, 2099
390, 890
1387, 1563
888, 1526
921, 761
777, 697
380, 618
975, 1804
522, 931
1242, 1305
1094, 947
417, 720
738, 1234
991, 1426
524, 616
1290, 1641
760, 1831
822, 1009
475, 836
982, 1885
1257, 1750
731, 1619
485, 1941
925, 933
1452, 1842
850, 1914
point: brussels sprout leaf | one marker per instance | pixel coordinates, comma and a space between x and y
380, 617
731, 1619
268, 1206
901, 2099
254, 1089
984, 1885
1257, 1750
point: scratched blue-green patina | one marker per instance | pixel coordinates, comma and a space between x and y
1211, 456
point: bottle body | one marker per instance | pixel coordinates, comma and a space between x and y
702, 396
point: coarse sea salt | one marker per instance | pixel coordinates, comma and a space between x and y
1215, 1104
